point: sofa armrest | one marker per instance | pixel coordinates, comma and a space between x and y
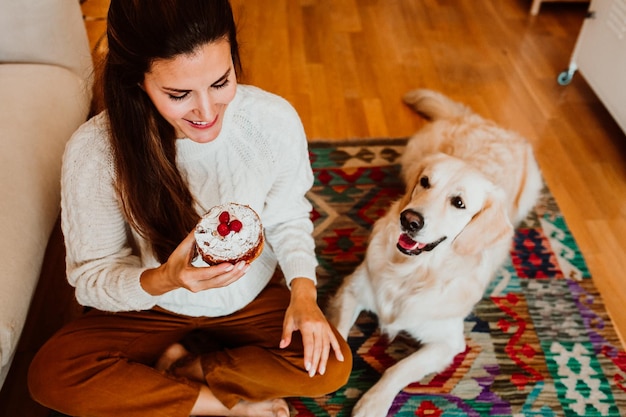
40, 107
45, 32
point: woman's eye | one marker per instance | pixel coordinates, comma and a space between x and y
221, 85
457, 202
178, 98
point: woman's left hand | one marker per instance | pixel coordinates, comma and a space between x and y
304, 314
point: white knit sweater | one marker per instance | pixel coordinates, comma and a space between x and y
260, 159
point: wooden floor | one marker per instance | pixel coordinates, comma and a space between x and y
344, 64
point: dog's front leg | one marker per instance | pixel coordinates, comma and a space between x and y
432, 357
347, 303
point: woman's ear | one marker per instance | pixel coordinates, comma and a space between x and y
488, 227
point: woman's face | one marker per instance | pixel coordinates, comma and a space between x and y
192, 91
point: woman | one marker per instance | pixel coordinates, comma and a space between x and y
179, 136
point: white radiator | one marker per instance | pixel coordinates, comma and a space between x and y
600, 55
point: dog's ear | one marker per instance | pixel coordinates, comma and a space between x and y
410, 175
488, 227
410, 172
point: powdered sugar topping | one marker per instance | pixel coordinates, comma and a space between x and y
234, 244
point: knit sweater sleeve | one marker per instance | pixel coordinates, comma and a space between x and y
287, 210
102, 258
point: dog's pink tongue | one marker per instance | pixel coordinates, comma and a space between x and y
409, 244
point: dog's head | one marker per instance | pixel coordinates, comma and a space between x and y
449, 201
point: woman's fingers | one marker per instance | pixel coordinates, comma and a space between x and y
317, 349
219, 275
334, 343
329, 341
324, 354
316, 353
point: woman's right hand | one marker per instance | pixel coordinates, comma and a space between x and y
178, 272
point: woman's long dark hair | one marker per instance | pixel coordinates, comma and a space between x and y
155, 198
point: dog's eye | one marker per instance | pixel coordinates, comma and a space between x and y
457, 202
424, 182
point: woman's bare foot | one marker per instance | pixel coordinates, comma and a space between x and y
177, 360
269, 408
171, 355
208, 405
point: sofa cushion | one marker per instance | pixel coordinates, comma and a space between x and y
44, 32
40, 107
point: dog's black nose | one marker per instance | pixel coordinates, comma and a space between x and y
411, 221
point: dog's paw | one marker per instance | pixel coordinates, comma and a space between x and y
371, 405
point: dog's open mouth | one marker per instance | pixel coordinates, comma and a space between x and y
409, 246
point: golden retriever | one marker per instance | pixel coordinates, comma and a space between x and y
431, 256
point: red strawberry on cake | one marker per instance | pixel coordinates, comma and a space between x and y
229, 233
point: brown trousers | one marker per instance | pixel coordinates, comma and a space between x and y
102, 363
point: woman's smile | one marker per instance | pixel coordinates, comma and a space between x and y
203, 125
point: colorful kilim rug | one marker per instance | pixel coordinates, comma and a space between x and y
540, 342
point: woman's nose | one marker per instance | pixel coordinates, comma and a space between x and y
205, 107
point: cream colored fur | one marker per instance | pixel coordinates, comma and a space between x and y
468, 182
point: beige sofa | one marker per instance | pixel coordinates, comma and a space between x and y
45, 92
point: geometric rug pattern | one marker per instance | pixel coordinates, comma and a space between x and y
539, 343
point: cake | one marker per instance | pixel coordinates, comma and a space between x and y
229, 233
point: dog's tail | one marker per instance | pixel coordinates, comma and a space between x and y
434, 106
